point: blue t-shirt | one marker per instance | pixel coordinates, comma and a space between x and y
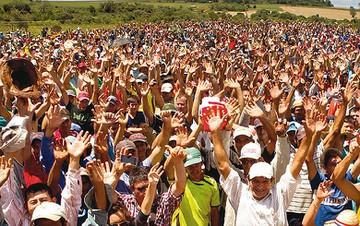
137, 120
333, 204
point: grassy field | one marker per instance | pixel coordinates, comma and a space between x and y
337, 14
35, 27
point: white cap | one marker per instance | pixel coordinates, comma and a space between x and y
261, 169
241, 130
347, 217
166, 88
251, 150
48, 210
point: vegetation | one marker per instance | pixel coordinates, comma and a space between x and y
352, 12
34, 15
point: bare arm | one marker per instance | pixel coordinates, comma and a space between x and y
215, 216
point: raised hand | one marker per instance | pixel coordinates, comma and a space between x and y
254, 110
276, 92
55, 117
203, 86
177, 120
178, 154
60, 151
155, 173
95, 172
231, 83
144, 89
232, 105
5, 167
281, 127
323, 190
81, 143
215, 120
349, 91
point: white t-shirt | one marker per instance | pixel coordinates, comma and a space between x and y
270, 211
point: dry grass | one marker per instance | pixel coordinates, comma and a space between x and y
338, 14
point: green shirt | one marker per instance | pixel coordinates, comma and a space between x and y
195, 207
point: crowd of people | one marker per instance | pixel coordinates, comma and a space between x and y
190, 124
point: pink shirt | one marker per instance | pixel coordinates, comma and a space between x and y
12, 200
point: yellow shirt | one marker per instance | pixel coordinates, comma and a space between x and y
195, 207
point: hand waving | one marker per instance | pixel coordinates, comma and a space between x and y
5, 167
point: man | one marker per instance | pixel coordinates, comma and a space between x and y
201, 201
12, 201
166, 203
136, 118
259, 203
167, 92
141, 144
49, 213
81, 113
337, 201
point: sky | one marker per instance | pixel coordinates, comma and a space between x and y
345, 3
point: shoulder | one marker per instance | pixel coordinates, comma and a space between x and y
211, 181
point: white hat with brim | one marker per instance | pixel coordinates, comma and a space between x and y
48, 210
242, 131
261, 169
251, 151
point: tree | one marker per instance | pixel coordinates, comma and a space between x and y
352, 12
92, 10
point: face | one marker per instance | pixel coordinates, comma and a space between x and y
246, 95
332, 164
47, 222
348, 129
247, 163
110, 107
240, 141
299, 113
139, 189
181, 105
83, 104
65, 126
260, 187
35, 199
263, 137
141, 147
133, 107
195, 172
168, 97
356, 116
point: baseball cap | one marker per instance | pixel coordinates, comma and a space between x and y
128, 144
112, 99
36, 136
347, 217
293, 126
138, 137
250, 150
193, 156
297, 103
261, 169
83, 95
166, 88
12, 139
242, 131
3, 121
48, 210
70, 92
82, 65
169, 107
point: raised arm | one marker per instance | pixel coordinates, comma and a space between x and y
60, 155
335, 131
301, 154
222, 159
255, 111
321, 193
340, 170
145, 103
202, 87
178, 157
97, 179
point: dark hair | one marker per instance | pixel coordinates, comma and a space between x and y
329, 154
36, 188
62, 221
138, 174
349, 119
354, 109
